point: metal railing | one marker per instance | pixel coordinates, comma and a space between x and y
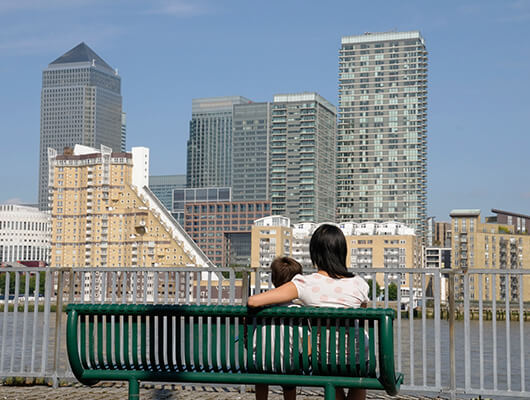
456, 332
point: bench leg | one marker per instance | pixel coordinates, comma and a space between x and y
134, 389
329, 392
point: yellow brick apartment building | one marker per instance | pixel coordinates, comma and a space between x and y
490, 246
103, 214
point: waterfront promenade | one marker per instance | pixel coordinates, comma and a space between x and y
110, 391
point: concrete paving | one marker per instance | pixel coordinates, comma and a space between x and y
118, 391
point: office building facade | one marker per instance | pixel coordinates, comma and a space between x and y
250, 152
209, 147
25, 234
382, 134
212, 226
81, 103
197, 195
164, 185
302, 157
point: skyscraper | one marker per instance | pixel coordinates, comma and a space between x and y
382, 133
80, 104
209, 161
250, 152
302, 157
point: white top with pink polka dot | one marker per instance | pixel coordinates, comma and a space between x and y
322, 291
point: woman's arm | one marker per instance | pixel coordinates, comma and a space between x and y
282, 294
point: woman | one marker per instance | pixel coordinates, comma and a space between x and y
331, 286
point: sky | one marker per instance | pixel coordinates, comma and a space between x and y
168, 52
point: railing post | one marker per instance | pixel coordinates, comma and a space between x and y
58, 327
452, 355
46, 330
245, 287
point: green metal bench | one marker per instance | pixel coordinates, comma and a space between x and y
232, 345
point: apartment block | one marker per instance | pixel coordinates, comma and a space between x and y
370, 245
490, 245
382, 129
104, 215
271, 238
442, 234
520, 222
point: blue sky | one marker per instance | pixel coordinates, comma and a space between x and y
168, 52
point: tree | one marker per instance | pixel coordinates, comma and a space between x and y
22, 282
392, 291
377, 289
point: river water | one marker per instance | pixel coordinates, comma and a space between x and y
12, 336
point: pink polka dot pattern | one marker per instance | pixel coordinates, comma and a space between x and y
329, 280
316, 289
338, 289
323, 298
317, 276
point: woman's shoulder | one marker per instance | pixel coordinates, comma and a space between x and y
307, 279
357, 280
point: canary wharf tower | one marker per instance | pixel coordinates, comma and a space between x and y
382, 132
80, 104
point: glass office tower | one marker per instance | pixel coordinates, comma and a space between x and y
302, 157
81, 103
382, 131
250, 150
209, 159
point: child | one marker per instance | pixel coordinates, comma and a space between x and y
331, 286
283, 269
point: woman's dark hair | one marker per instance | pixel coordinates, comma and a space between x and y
328, 251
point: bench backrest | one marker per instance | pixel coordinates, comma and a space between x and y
303, 341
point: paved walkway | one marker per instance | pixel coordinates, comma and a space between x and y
110, 391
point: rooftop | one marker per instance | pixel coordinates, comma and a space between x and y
381, 36
465, 213
81, 54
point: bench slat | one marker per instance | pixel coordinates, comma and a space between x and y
82, 341
188, 323
223, 337
342, 348
295, 323
126, 348
233, 345
305, 348
143, 342
371, 346
241, 335
134, 340
99, 329
205, 335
